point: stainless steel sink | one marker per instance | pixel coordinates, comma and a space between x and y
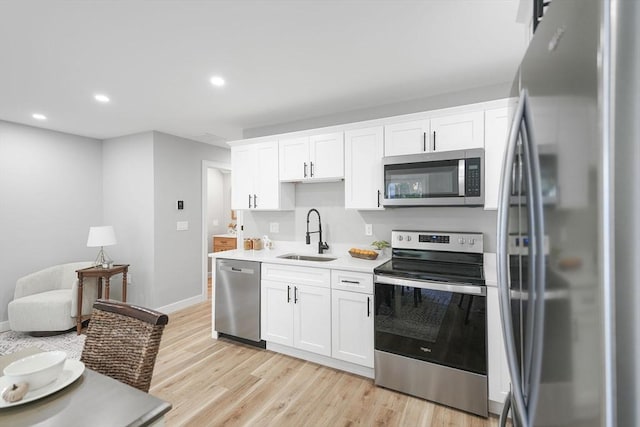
306, 257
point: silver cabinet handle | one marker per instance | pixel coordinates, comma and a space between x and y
355, 282
249, 201
368, 306
255, 201
434, 140
295, 294
288, 294
311, 168
424, 141
305, 169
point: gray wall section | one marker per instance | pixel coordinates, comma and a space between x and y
178, 254
50, 192
128, 206
445, 100
347, 226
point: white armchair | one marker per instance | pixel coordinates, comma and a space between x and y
47, 299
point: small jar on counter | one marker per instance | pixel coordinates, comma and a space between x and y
248, 244
257, 244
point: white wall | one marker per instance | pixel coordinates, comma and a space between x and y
435, 102
129, 206
347, 226
50, 194
178, 254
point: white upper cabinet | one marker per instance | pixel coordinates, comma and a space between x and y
457, 131
495, 142
254, 179
439, 133
314, 158
407, 138
363, 151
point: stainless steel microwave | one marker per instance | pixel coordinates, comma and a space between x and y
447, 178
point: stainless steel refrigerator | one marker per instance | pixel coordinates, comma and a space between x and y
568, 232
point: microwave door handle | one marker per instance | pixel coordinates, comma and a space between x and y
519, 408
461, 177
539, 255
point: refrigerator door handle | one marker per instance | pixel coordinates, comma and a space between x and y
503, 266
537, 212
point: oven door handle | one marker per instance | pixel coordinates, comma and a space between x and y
436, 286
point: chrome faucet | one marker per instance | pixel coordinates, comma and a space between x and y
321, 246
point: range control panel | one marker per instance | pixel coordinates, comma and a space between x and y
437, 241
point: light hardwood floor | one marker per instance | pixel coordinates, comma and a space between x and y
221, 383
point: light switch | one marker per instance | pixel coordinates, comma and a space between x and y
274, 227
182, 225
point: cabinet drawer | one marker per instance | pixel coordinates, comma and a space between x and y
299, 275
352, 281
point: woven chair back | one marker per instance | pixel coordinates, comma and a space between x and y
123, 342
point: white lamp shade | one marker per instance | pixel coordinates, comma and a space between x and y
101, 236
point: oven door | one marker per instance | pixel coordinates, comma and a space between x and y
436, 322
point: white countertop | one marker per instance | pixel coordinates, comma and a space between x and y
228, 235
343, 260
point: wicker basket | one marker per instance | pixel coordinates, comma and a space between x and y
370, 254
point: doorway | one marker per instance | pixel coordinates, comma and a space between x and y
217, 216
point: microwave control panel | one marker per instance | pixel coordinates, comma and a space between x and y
473, 177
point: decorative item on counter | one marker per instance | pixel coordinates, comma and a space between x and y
257, 244
231, 228
363, 253
380, 244
248, 244
15, 392
268, 244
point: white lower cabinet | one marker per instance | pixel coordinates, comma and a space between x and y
498, 375
352, 327
294, 313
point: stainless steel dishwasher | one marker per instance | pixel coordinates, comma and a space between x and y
237, 300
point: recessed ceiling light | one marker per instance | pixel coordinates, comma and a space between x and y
39, 116
101, 98
217, 81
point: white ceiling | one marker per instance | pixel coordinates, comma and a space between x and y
283, 60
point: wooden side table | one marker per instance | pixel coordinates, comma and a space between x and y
100, 273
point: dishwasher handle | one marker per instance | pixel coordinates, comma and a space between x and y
233, 269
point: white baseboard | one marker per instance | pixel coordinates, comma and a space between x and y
4, 326
170, 308
322, 360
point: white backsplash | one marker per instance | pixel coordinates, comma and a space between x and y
340, 226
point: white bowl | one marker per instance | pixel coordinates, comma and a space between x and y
38, 370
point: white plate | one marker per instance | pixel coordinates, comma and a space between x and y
71, 372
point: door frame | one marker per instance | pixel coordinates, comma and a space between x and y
206, 165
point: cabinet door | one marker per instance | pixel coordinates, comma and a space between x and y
498, 375
326, 153
352, 327
294, 159
496, 128
363, 150
312, 319
457, 132
406, 138
276, 312
242, 170
265, 177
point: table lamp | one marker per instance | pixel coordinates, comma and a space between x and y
101, 236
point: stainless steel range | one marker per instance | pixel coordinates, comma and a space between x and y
431, 320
